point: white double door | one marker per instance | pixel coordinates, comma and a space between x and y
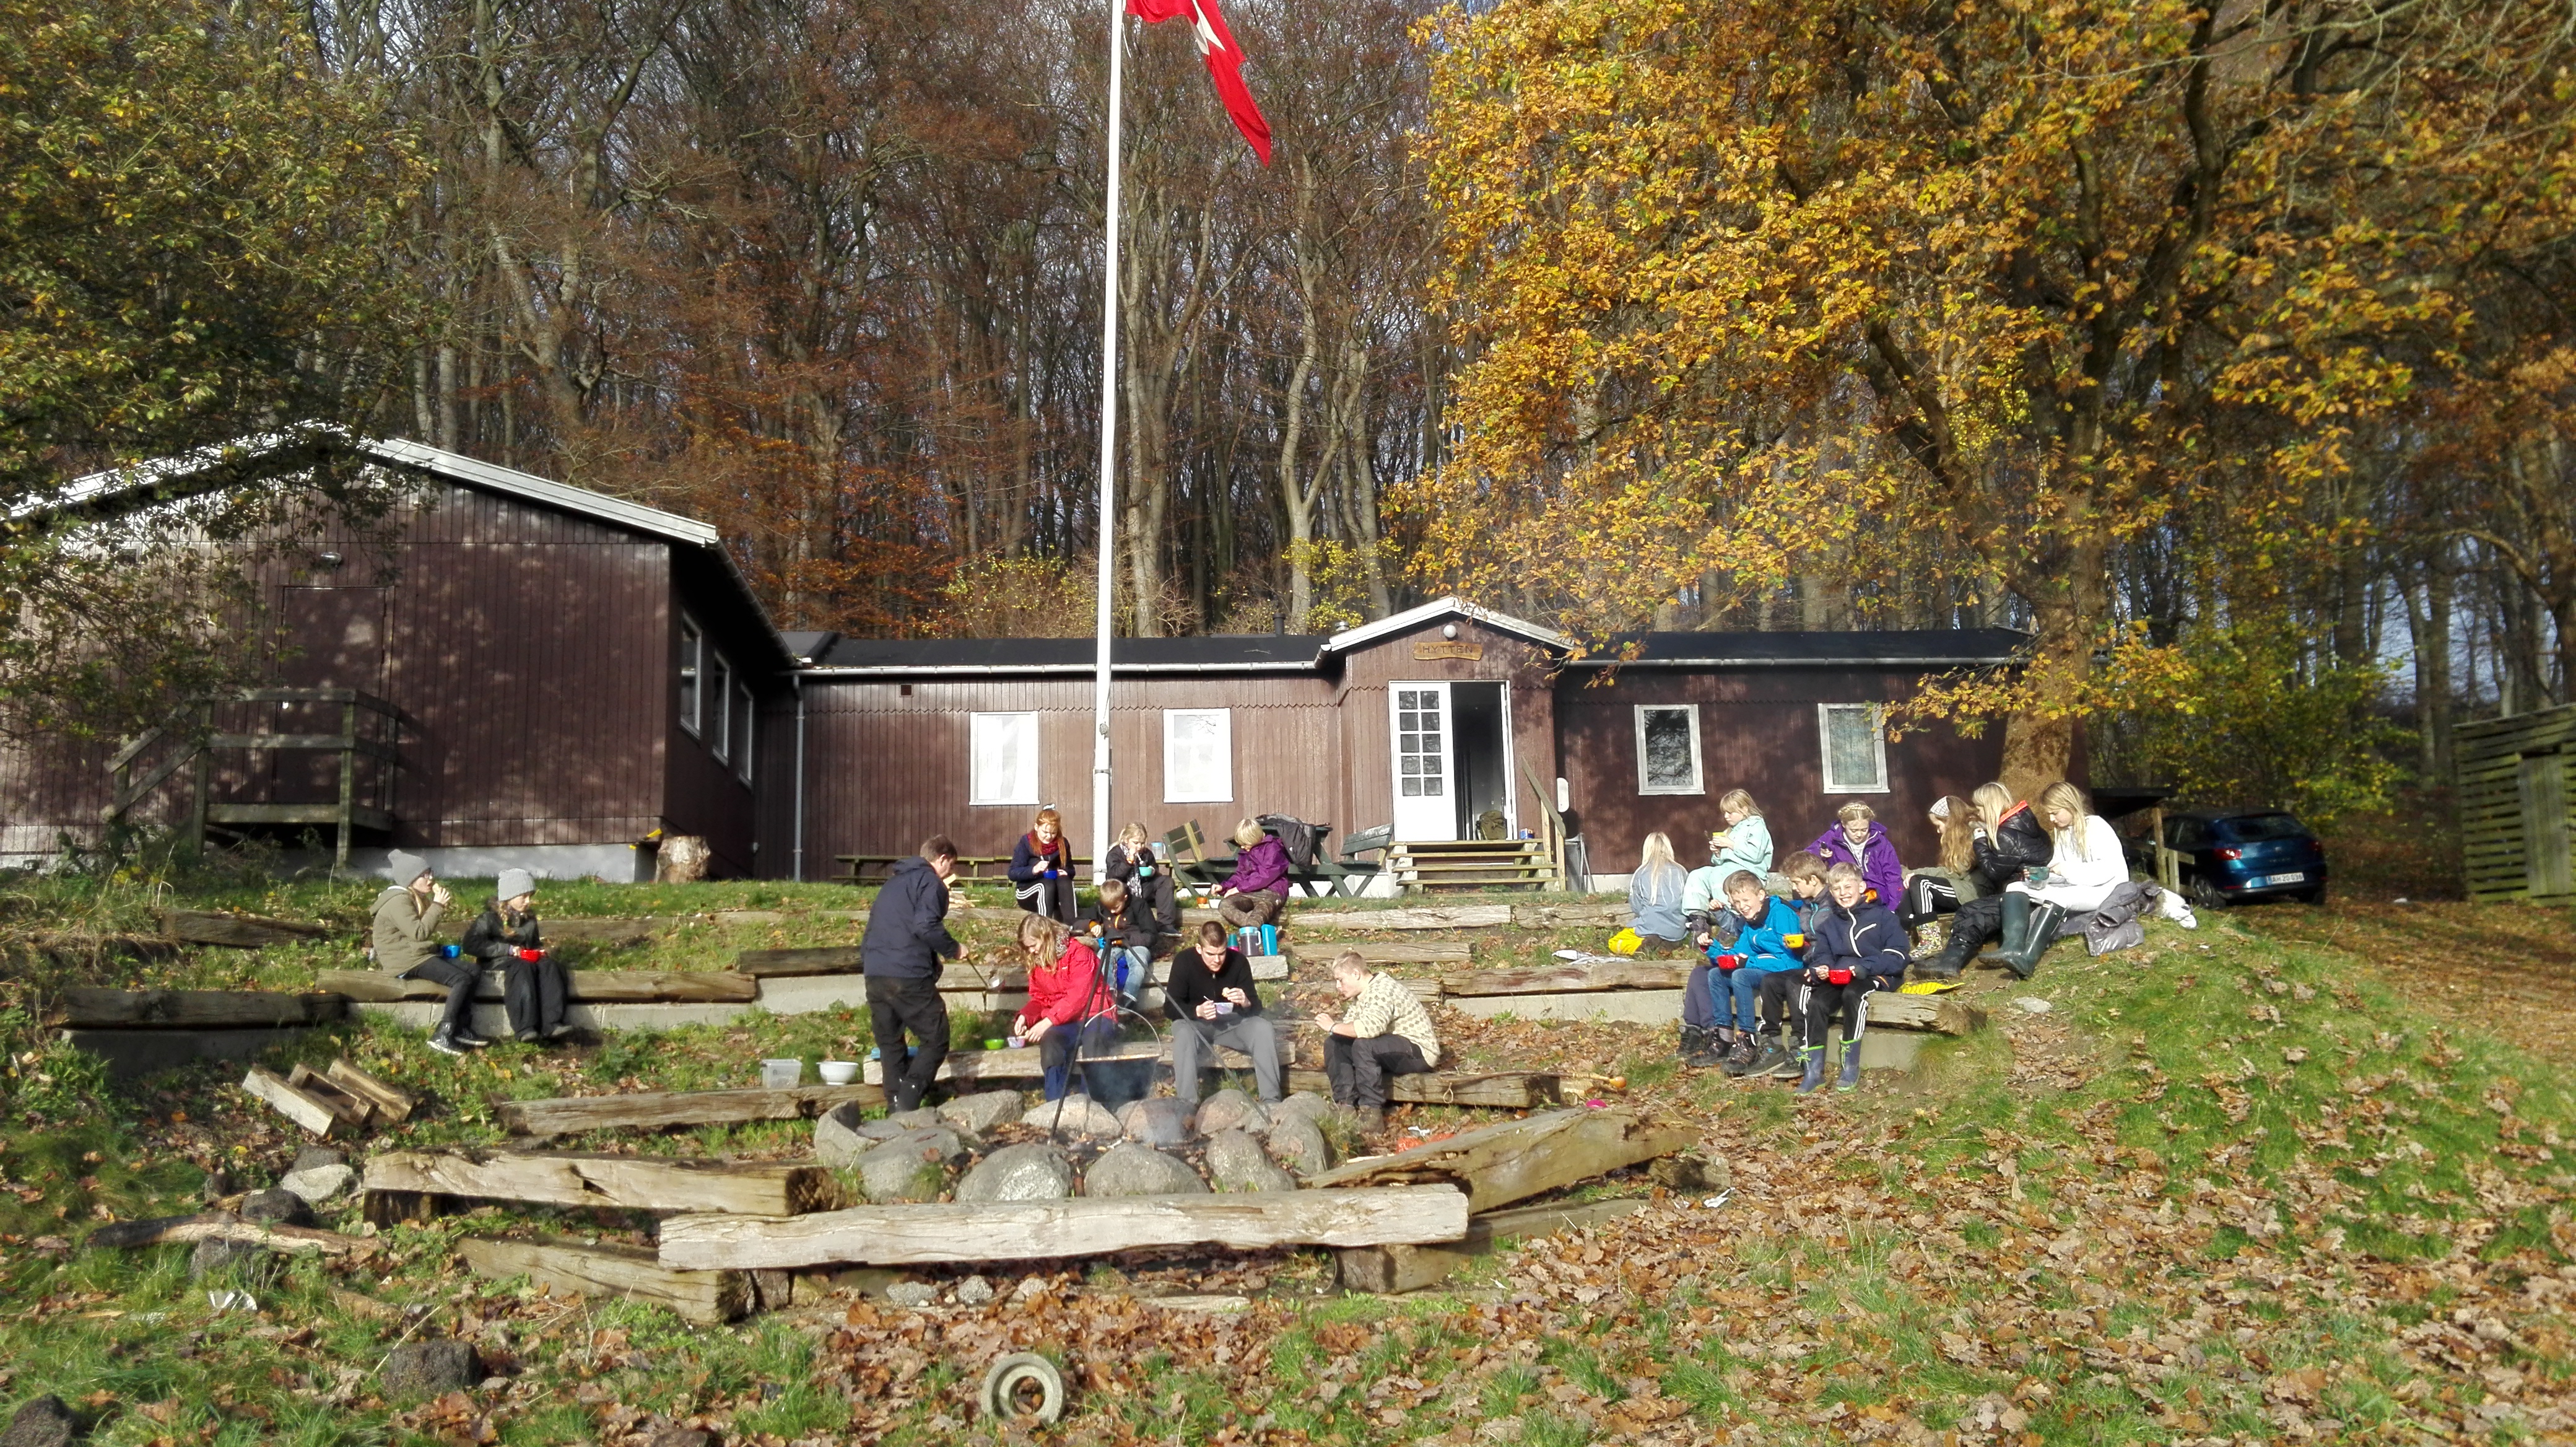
1423, 736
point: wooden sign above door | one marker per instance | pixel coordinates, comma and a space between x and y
1448, 648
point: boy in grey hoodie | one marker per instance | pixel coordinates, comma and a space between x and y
407, 916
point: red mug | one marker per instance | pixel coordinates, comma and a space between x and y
1730, 962
532, 956
1838, 977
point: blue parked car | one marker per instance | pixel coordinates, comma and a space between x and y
2233, 855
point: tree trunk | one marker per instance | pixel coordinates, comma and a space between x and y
2040, 739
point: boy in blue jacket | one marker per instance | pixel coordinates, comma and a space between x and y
1783, 993
1857, 950
1718, 999
1761, 928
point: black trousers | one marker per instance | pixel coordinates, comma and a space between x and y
1826, 1002
1783, 1000
1159, 902
898, 1005
1979, 920
1927, 897
460, 979
1358, 1068
533, 992
1051, 897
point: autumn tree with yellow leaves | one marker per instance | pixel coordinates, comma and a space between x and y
1981, 289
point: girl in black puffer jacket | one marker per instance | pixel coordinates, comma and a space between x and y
2010, 839
505, 937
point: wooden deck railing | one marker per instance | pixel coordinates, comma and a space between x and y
370, 728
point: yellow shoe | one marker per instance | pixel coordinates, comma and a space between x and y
1928, 987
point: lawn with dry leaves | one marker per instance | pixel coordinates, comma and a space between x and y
2274, 1180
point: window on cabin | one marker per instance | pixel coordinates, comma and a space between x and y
720, 717
1668, 749
1198, 756
1854, 737
742, 730
1003, 758
692, 646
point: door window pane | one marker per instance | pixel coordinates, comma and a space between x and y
1668, 749
1003, 766
1198, 756
1417, 743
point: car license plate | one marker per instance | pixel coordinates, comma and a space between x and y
2267, 881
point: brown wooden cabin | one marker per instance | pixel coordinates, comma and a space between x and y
1425, 720
572, 673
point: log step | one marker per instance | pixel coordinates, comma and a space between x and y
661, 1110
922, 1235
595, 987
1391, 1269
707, 1298
240, 931
642, 1183
90, 1009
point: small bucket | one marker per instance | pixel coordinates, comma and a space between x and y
780, 1074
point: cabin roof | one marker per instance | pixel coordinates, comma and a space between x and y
1892, 648
258, 458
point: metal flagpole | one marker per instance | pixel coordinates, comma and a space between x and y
1108, 467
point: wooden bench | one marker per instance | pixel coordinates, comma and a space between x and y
969, 866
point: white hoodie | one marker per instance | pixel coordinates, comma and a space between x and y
2079, 884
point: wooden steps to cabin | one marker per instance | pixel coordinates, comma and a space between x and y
1427, 864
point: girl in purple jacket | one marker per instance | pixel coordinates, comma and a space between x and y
1860, 841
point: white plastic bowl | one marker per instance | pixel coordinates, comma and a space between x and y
839, 1072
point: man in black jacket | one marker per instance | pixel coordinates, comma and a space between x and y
1211, 1001
907, 939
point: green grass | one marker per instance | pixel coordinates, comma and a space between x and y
2322, 1166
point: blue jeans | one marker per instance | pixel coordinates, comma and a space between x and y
1720, 999
1127, 967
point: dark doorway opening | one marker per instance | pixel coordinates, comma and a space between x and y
1483, 756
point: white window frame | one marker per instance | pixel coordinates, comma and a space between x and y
1221, 789
693, 692
718, 682
1825, 748
1699, 773
748, 707
977, 792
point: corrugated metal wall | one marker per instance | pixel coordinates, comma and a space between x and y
885, 770
1759, 733
532, 648
1523, 667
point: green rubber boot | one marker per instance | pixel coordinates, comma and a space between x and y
2038, 933
2016, 929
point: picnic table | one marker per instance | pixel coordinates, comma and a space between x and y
969, 866
1186, 848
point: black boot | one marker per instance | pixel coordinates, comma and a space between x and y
2042, 932
1954, 956
1698, 1048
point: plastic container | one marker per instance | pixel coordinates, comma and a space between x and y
839, 1072
780, 1074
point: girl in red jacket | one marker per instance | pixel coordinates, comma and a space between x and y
1069, 1005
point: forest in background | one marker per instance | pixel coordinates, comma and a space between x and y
825, 273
